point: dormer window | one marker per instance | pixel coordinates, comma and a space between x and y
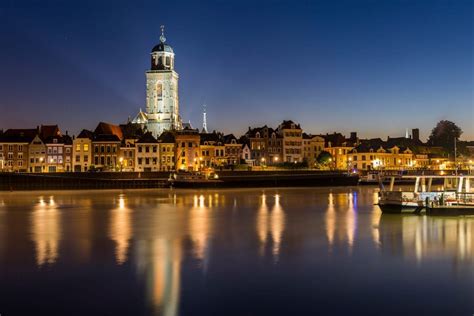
257, 135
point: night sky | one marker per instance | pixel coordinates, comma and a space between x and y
375, 67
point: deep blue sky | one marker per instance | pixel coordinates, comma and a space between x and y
375, 67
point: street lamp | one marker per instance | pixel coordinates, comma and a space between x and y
121, 164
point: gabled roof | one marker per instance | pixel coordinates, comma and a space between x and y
106, 138
166, 137
336, 139
264, 132
86, 134
109, 129
229, 138
367, 147
187, 125
147, 138
18, 135
67, 140
289, 124
131, 131
212, 138
47, 131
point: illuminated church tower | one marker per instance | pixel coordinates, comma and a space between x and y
162, 102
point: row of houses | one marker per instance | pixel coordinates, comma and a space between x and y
128, 147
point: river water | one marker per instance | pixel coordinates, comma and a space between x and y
295, 251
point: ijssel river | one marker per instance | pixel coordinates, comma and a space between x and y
301, 251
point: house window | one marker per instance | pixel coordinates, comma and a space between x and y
86, 158
86, 147
78, 147
139, 149
78, 158
20, 147
10, 147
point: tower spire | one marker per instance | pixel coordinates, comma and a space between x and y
204, 119
162, 36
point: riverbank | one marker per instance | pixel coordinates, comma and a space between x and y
142, 180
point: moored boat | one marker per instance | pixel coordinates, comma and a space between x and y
194, 180
454, 197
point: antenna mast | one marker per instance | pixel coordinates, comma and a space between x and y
204, 119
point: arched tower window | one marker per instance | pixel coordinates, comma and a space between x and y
159, 90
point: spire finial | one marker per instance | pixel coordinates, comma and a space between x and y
162, 36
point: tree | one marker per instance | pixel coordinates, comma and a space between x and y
324, 157
444, 134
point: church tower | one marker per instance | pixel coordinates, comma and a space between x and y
162, 102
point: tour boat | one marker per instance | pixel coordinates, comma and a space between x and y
194, 179
453, 196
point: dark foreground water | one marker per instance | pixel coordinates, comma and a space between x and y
310, 251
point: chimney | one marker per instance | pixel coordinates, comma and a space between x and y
415, 134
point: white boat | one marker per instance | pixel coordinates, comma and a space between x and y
453, 196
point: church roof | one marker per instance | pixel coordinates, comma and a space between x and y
162, 47
140, 118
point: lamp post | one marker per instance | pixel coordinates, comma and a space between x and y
121, 164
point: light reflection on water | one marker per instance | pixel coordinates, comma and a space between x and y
46, 230
173, 243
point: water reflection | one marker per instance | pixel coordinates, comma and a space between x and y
46, 230
173, 245
270, 223
159, 255
341, 219
427, 238
200, 226
121, 229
